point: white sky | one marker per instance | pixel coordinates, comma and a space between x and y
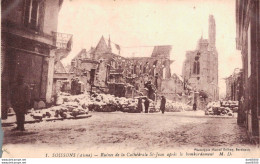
179, 23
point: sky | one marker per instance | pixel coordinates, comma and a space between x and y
138, 23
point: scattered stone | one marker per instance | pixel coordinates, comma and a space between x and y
41, 105
37, 116
65, 99
48, 114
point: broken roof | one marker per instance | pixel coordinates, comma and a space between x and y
107, 46
163, 51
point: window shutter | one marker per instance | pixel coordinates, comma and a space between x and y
34, 14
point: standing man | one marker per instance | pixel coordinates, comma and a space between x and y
140, 105
194, 106
20, 101
146, 104
73, 86
163, 102
5, 99
77, 87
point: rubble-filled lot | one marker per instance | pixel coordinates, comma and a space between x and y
135, 131
78, 106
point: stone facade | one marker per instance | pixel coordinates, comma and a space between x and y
27, 44
248, 39
200, 69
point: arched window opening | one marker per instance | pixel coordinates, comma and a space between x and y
196, 66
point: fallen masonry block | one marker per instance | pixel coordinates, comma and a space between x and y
37, 117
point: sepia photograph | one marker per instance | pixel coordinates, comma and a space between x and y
130, 79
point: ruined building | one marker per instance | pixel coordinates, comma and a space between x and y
122, 76
200, 69
155, 68
92, 67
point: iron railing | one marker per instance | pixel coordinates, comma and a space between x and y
62, 40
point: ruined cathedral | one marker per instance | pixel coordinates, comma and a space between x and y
200, 69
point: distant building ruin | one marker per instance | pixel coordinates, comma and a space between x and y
200, 69
115, 72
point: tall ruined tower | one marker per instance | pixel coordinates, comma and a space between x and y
200, 68
214, 54
212, 31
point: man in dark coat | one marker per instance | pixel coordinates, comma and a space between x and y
73, 86
77, 87
194, 106
5, 103
140, 105
20, 101
163, 102
146, 104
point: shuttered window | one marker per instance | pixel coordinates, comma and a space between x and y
31, 13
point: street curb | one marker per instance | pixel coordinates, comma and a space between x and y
47, 120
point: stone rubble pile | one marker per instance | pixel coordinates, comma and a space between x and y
172, 106
73, 106
110, 103
226, 109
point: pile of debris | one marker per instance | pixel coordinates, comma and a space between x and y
59, 112
75, 106
78, 106
110, 103
172, 106
233, 105
68, 107
224, 109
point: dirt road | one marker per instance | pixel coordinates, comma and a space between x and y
129, 131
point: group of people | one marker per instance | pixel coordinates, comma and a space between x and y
147, 103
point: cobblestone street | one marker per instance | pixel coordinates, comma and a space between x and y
136, 132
